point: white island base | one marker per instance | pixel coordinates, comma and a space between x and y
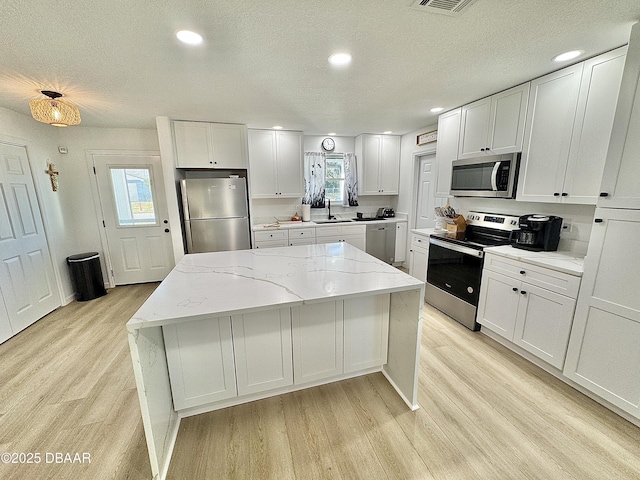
227, 328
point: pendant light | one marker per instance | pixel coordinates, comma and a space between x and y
54, 111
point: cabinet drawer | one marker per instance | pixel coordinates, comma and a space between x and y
302, 233
419, 241
271, 235
558, 282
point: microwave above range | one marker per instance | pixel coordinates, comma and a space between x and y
490, 176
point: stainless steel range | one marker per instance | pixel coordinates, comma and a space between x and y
455, 264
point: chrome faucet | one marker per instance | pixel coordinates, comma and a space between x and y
331, 217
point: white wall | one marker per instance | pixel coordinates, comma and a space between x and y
69, 215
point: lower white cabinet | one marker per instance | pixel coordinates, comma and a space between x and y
317, 341
401, 242
201, 362
418, 255
604, 353
262, 344
270, 238
366, 332
514, 306
352, 234
219, 358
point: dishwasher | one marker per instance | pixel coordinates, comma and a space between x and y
381, 241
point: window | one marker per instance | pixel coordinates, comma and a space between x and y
334, 178
133, 197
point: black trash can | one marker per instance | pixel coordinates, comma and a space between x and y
86, 276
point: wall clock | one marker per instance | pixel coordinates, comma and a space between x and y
328, 144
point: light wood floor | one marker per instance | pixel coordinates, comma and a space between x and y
66, 385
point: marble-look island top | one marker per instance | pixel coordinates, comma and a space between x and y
222, 283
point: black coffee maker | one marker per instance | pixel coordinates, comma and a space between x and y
538, 233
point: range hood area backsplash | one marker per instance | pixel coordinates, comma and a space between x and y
578, 217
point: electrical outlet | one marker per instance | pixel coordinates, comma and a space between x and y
567, 226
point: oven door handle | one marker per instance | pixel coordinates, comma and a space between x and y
494, 177
458, 248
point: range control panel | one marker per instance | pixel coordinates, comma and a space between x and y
493, 220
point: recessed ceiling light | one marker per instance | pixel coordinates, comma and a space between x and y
563, 57
332, 133
436, 109
188, 37
340, 58
387, 132
277, 127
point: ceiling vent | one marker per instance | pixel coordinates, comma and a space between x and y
453, 8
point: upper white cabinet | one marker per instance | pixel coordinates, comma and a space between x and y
378, 164
621, 178
276, 163
446, 149
210, 145
494, 125
603, 354
569, 122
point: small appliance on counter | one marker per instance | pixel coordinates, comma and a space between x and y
538, 233
385, 212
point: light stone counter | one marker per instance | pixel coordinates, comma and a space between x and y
204, 287
566, 262
311, 224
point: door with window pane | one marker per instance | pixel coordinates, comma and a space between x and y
135, 217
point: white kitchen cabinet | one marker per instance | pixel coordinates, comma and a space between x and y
200, 361
270, 238
569, 123
275, 159
494, 125
352, 234
603, 354
262, 345
302, 236
210, 145
418, 253
621, 178
515, 306
447, 149
318, 341
366, 332
378, 164
401, 242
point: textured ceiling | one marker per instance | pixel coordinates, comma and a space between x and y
265, 63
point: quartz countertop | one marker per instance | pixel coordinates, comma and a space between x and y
222, 283
311, 224
561, 261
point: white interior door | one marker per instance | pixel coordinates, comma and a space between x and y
135, 217
426, 189
27, 281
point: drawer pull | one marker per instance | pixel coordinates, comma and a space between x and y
522, 292
598, 220
522, 272
604, 194
515, 289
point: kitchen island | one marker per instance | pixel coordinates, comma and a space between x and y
226, 328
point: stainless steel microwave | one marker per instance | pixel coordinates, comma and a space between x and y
490, 176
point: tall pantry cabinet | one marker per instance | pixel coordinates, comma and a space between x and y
603, 354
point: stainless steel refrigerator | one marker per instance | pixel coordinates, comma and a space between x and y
215, 214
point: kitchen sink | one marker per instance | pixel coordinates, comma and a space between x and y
334, 220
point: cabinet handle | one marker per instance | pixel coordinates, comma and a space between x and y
515, 289
482, 149
556, 194
564, 194
522, 292
522, 272
598, 220
604, 194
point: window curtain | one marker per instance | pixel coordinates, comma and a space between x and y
350, 180
314, 179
